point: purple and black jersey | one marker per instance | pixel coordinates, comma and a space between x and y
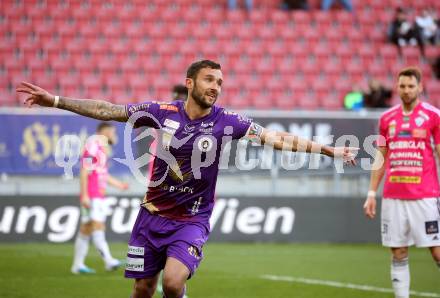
187, 159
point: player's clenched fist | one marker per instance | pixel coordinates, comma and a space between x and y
37, 95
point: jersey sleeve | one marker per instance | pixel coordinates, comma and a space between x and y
382, 137
145, 114
238, 123
436, 129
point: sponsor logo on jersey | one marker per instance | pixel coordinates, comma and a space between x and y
407, 145
171, 123
188, 128
405, 134
138, 107
419, 133
405, 125
135, 264
169, 107
206, 130
136, 250
208, 124
392, 129
405, 179
431, 227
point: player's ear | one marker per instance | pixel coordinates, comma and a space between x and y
189, 83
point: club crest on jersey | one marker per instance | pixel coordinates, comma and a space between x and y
205, 144
419, 121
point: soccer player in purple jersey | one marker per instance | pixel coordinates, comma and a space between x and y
173, 223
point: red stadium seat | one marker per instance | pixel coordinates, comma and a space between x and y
262, 101
355, 70
238, 101
432, 52
301, 17
258, 16
306, 101
388, 52
45, 80
69, 82
344, 18
9, 98
432, 88
278, 17
411, 55
285, 102
323, 19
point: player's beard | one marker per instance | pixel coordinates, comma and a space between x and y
199, 98
408, 99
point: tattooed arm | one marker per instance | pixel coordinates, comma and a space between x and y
97, 109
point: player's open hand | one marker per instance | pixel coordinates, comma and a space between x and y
348, 154
370, 207
36, 95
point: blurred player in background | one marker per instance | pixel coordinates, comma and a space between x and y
94, 177
173, 224
179, 92
410, 205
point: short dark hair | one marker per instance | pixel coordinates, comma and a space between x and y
103, 125
411, 72
194, 68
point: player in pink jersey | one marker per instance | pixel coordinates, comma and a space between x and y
93, 182
410, 205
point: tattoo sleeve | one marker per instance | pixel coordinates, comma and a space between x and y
97, 109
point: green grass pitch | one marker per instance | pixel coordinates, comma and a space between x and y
228, 270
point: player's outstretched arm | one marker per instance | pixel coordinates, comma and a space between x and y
289, 142
97, 109
117, 183
377, 173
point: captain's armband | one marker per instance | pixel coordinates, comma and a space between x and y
254, 132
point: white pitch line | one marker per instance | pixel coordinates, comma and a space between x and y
337, 284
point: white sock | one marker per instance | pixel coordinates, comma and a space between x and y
101, 245
81, 249
400, 278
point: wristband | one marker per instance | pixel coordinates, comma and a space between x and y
371, 193
55, 102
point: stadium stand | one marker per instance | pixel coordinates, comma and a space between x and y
133, 50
